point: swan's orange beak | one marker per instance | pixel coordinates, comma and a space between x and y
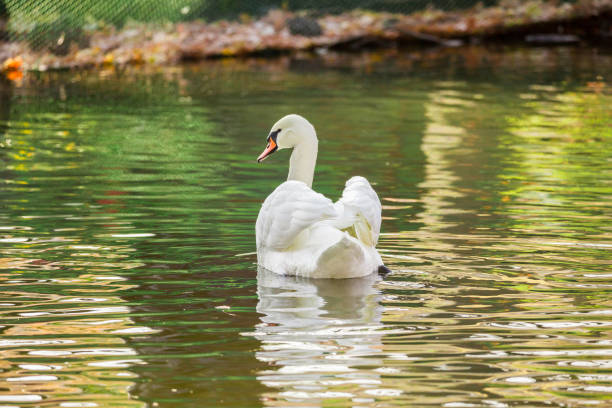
271, 148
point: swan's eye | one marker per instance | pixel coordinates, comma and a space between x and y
274, 135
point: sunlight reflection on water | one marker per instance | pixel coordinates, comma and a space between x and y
127, 269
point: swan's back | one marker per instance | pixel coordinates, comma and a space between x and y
301, 232
291, 208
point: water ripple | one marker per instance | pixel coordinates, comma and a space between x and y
127, 264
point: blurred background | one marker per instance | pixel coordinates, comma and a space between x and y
73, 13
43, 22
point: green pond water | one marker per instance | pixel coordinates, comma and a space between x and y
128, 203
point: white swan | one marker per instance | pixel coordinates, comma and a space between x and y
301, 232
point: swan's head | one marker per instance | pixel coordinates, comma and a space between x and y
287, 133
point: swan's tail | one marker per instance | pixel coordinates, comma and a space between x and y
359, 211
352, 221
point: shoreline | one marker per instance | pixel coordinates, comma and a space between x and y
532, 23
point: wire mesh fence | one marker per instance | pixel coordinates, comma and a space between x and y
57, 24
39, 21
117, 11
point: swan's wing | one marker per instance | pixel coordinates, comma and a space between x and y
291, 208
361, 210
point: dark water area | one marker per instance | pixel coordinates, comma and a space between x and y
128, 202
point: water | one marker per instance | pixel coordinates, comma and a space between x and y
127, 234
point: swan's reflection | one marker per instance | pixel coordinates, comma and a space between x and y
321, 337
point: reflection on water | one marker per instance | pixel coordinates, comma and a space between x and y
58, 347
128, 200
314, 333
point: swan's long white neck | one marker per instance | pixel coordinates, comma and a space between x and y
304, 158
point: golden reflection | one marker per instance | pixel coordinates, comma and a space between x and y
46, 357
516, 327
440, 138
441, 142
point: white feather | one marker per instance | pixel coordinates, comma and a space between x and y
289, 210
362, 209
